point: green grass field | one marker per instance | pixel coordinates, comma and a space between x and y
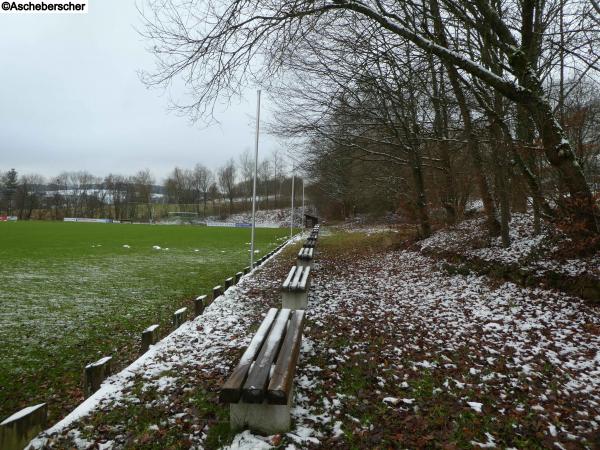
73, 292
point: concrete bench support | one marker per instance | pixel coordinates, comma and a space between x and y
200, 303
149, 337
179, 317
304, 263
305, 257
94, 374
17, 430
294, 300
262, 417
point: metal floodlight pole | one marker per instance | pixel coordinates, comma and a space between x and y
303, 216
254, 181
292, 219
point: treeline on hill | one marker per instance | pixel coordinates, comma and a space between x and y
414, 105
200, 190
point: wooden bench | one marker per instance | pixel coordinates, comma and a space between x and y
310, 243
294, 291
259, 391
305, 257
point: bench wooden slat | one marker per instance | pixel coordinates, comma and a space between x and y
255, 387
296, 279
304, 280
285, 367
288, 280
305, 253
231, 391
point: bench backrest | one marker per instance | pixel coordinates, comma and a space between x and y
277, 342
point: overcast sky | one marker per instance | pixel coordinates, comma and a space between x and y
71, 99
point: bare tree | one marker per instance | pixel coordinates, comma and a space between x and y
179, 186
264, 175
29, 194
278, 164
216, 59
213, 192
246, 165
203, 178
116, 186
143, 182
227, 176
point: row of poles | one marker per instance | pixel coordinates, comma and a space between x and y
254, 185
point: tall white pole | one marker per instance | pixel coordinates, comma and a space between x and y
254, 181
303, 216
292, 219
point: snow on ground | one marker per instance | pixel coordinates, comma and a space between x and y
528, 250
280, 217
272, 218
204, 345
395, 353
506, 353
268, 218
367, 229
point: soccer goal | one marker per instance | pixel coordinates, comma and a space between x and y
184, 216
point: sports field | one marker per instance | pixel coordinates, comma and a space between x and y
73, 292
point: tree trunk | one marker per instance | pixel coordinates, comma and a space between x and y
501, 181
473, 148
472, 144
557, 148
448, 198
525, 134
420, 195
